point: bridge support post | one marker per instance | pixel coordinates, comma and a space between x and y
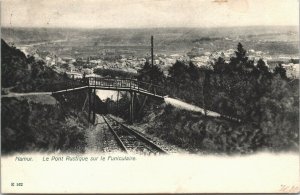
118, 102
131, 107
90, 103
94, 107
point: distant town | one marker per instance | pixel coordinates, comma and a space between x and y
124, 60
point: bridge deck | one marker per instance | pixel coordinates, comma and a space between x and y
118, 85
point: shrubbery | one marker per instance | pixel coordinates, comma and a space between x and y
32, 126
114, 73
25, 74
42, 122
266, 102
198, 133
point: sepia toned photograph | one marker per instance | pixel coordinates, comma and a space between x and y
166, 93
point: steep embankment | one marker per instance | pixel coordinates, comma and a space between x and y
40, 123
197, 133
24, 74
46, 123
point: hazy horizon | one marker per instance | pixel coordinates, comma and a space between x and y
139, 14
141, 28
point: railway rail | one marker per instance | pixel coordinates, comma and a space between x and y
130, 140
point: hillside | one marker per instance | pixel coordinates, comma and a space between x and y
25, 74
39, 122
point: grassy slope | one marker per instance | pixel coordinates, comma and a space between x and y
197, 133
25, 74
39, 123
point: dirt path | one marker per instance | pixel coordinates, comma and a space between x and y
42, 93
26, 94
186, 106
96, 136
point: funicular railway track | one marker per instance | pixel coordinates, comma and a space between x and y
131, 141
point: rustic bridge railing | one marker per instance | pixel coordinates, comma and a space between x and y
93, 83
126, 84
111, 84
65, 86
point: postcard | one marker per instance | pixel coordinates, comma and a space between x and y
150, 96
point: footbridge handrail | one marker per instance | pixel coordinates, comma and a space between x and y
120, 83
116, 84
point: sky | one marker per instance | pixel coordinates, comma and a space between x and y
147, 13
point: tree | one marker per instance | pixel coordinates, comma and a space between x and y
281, 71
178, 72
249, 65
220, 65
149, 73
261, 66
193, 71
241, 53
30, 59
239, 62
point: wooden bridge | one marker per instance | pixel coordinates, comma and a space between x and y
129, 85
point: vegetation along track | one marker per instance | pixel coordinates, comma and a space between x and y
131, 141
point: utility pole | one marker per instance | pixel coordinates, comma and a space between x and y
152, 60
204, 83
151, 51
